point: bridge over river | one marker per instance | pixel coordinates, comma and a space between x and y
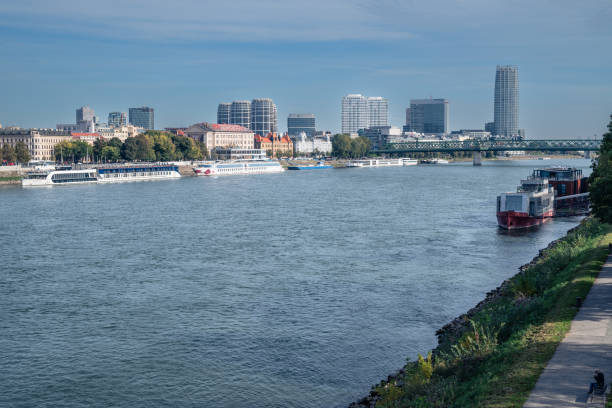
493, 145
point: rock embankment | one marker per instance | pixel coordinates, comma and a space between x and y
455, 329
10, 175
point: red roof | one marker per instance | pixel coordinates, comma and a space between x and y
77, 135
261, 139
222, 127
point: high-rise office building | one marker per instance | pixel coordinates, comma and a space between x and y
85, 113
240, 113
429, 115
506, 105
355, 113
223, 113
142, 117
117, 119
378, 111
263, 116
301, 122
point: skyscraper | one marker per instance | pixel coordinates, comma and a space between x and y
301, 122
117, 119
378, 111
142, 117
263, 116
428, 115
506, 105
240, 113
84, 114
355, 113
223, 113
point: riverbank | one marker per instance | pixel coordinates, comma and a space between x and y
493, 355
10, 180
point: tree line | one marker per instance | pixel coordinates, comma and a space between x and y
17, 154
345, 147
153, 145
600, 181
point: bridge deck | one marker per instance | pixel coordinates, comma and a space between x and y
447, 146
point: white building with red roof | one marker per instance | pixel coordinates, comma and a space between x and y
224, 136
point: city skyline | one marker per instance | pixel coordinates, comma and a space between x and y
559, 48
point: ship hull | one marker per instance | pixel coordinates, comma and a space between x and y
512, 220
309, 167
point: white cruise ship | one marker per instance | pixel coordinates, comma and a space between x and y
114, 174
49, 178
239, 167
381, 163
119, 174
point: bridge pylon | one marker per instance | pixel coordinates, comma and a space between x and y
477, 158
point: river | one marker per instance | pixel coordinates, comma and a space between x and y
299, 289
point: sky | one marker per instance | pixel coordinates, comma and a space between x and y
185, 57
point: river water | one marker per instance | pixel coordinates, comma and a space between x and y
300, 289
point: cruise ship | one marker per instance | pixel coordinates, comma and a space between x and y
109, 174
382, 162
119, 174
239, 167
61, 176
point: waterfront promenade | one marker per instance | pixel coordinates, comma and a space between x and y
588, 346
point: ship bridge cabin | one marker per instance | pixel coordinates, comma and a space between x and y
565, 180
533, 185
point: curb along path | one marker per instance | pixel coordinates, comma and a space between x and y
586, 347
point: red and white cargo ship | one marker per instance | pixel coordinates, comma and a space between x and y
531, 205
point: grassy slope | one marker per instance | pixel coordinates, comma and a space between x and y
525, 326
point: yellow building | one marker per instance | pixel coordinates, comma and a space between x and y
223, 136
273, 144
40, 142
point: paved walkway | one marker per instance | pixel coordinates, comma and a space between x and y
588, 346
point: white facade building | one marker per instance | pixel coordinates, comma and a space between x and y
305, 145
506, 103
378, 111
121, 132
355, 114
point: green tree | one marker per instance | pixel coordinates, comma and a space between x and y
63, 151
182, 146
80, 151
115, 142
341, 146
194, 152
22, 155
144, 148
98, 145
163, 147
129, 149
600, 182
360, 146
8, 153
111, 153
